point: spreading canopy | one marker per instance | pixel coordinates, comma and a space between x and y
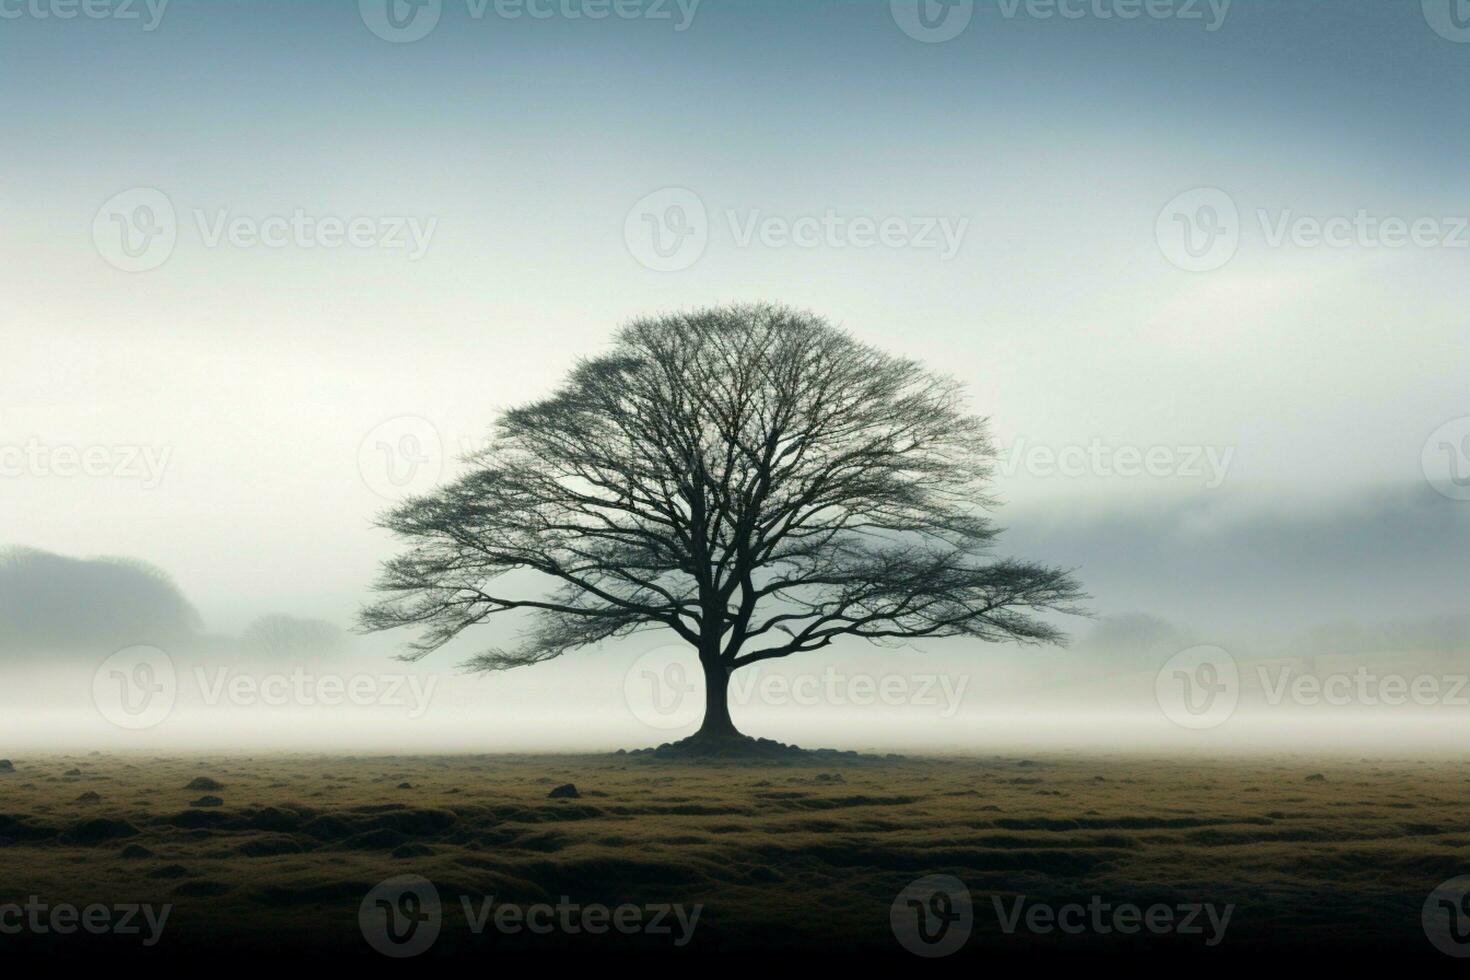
750, 477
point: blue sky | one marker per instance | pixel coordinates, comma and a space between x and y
527, 143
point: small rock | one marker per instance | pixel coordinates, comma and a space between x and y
405, 785
566, 791
72, 772
412, 851
89, 797
6, 765
204, 783
135, 851
208, 801
1316, 777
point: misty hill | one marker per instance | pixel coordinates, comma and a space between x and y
1225, 564
52, 604
58, 606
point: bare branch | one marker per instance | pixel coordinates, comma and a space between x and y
731, 474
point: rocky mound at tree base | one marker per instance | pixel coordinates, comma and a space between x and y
743, 747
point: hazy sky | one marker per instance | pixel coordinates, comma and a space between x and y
231, 396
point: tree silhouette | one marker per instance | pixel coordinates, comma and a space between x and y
749, 477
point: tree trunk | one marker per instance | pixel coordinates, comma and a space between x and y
717, 723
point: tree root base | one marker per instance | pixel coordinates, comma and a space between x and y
743, 747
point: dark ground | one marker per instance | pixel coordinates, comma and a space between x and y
793, 857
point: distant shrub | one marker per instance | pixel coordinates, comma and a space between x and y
288, 638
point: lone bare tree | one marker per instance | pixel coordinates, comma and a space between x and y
749, 477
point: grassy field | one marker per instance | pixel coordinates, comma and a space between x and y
804, 855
